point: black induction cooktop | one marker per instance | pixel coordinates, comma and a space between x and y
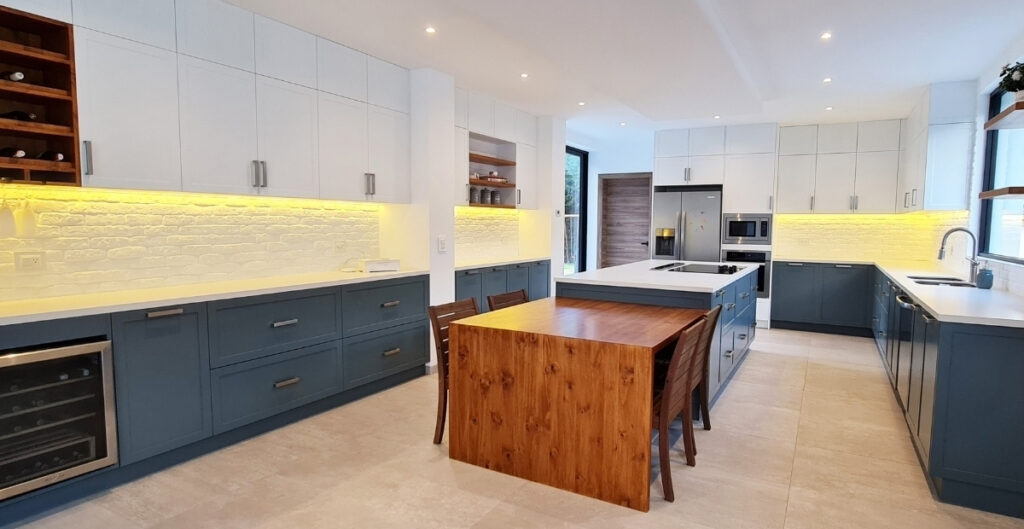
697, 268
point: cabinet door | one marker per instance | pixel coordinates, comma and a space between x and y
526, 177
837, 138
706, 170
875, 136
798, 140
948, 173
216, 31
469, 284
751, 139
285, 53
387, 85
461, 108
131, 119
707, 141
540, 280
504, 122
342, 148
340, 70
876, 181
461, 176
749, 183
796, 292
389, 154
671, 171
162, 361
56, 9
834, 179
795, 183
287, 127
845, 294
150, 22
671, 143
495, 281
526, 128
519, 278
916, 372
929, 368
218, 127
481, 114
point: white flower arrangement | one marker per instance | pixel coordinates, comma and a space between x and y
1013, 78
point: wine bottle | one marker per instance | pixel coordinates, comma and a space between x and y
52, 156
12, 152
19, 115
12, 76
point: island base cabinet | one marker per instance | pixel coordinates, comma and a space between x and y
162, 380
534, 278
375, 355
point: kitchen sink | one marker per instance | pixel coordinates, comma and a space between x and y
937, 278
940, 283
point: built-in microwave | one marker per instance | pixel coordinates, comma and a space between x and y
744, 228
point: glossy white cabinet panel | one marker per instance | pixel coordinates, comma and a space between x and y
481, 114
343, 148
147, 21
287, 128
216, 31
707, 141
758, 138
875, 136
801, 139
387, 85
461, 177
795, 187
218, 127
526, 128
950, 156
834, 183
526, 176
877, 181
837, 138
671, 171
130, 120
56, 9
672, 143
340, 70
461, 108
388, 135
706, 170
749, 183
285, 53
504, 122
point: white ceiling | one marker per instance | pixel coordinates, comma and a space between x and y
663, 63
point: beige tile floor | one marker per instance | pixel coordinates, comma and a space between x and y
808, 435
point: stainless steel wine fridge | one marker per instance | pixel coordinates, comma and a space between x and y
56, 415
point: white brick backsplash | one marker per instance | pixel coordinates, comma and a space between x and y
105, 240
483, 234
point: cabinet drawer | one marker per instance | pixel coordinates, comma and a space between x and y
730, 308
728, 352
371, 306
746, 292
382, 353
250, 391
248, 328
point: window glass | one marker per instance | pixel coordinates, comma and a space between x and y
1005, 221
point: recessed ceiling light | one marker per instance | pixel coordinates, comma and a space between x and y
827, 80
622, 123
828, 108
581, 103
826, 35
524, 75
431, 30
717, 116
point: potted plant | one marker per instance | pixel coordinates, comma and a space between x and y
1013, 79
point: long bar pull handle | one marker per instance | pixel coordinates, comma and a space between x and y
472, 272
257, 173
87, 158
287, 382
367, 185
285, 323
926, 317
519, 196
905, 303
373, 183
844, 266
794, 264
771, 202
812, 202
851, 203
389, 304
265, 176
392, 352
913, 197
164, 313
856, 202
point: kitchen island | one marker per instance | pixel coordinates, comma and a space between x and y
697, 285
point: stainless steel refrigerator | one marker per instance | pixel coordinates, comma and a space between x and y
686, 224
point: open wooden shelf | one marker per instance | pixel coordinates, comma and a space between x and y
1011, 118
1007, 192
490, 160
30, 56
33, 92
497, 206
38, 165
486, 183
36, 128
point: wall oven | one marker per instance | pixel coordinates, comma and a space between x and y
764, 270
57, 418
745, 228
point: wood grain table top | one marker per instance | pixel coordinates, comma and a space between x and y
600, 321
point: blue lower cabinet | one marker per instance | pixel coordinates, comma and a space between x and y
254, 390
375, 355
519, 278
495, 281
469, 284
370, 306
728, 353
540, 280
161, 379
727, 298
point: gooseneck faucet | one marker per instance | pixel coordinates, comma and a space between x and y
974, 251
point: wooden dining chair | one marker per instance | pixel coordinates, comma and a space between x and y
699, 375
508, 299
675, 398
441, 317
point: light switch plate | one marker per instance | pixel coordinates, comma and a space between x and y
442, 244
29, 261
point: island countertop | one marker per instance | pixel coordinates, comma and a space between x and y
641, 275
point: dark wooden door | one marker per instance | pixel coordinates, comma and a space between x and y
625, 219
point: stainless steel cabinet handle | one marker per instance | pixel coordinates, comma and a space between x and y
287, 382
728, 354
719, 294
87, 157
164, 313
471, 272
856, 202
812, 202
367, 185
389, 304
285, 323
373, 183
731, 306
519, 196
927, 317
794, 264
771, 202
851, 203
844, 266
913, 197
686, 174
256, 177
881, 333
905, 303
392, 352
742, 336
906, 200
264, 175
745, 295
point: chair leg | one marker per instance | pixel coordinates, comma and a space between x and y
689, 447
705, 415
663, 462
442, 405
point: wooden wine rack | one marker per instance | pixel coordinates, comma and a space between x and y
44, 50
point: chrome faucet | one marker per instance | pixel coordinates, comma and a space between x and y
973, 259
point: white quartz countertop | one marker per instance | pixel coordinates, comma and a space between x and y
460, 266
640, 275
27, 311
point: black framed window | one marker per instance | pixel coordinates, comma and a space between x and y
1002, 220
576, 177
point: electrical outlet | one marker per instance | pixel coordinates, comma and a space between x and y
29, 261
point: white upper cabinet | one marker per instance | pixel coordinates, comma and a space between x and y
343, 148
834, 183
526, 128
147, 21
285, 53
130, 120
795, 189
526, 176
837, 138
950, 155
56, 9
461, 176
875, 136
340, 70
672, 143
751, 139
481, 114
876, 182
749, 183
387, 85
707, 140
216, 31
798, 140
287, 130
671, 171
388, 134
462, 109
706, 170
504, 122
218, 127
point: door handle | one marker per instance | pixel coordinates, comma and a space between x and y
389, 304
728, 354
731, 306
287, 382
742, 336
87, 157
164, 313
794, 264
905, 303
285, 323
265, 174
645, 243
392, 352
913, 197
256, 174
519, 196
771, 202
686, 174
844, 266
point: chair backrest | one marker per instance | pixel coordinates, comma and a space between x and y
677, 383
699, 371
441, 317
500, 301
